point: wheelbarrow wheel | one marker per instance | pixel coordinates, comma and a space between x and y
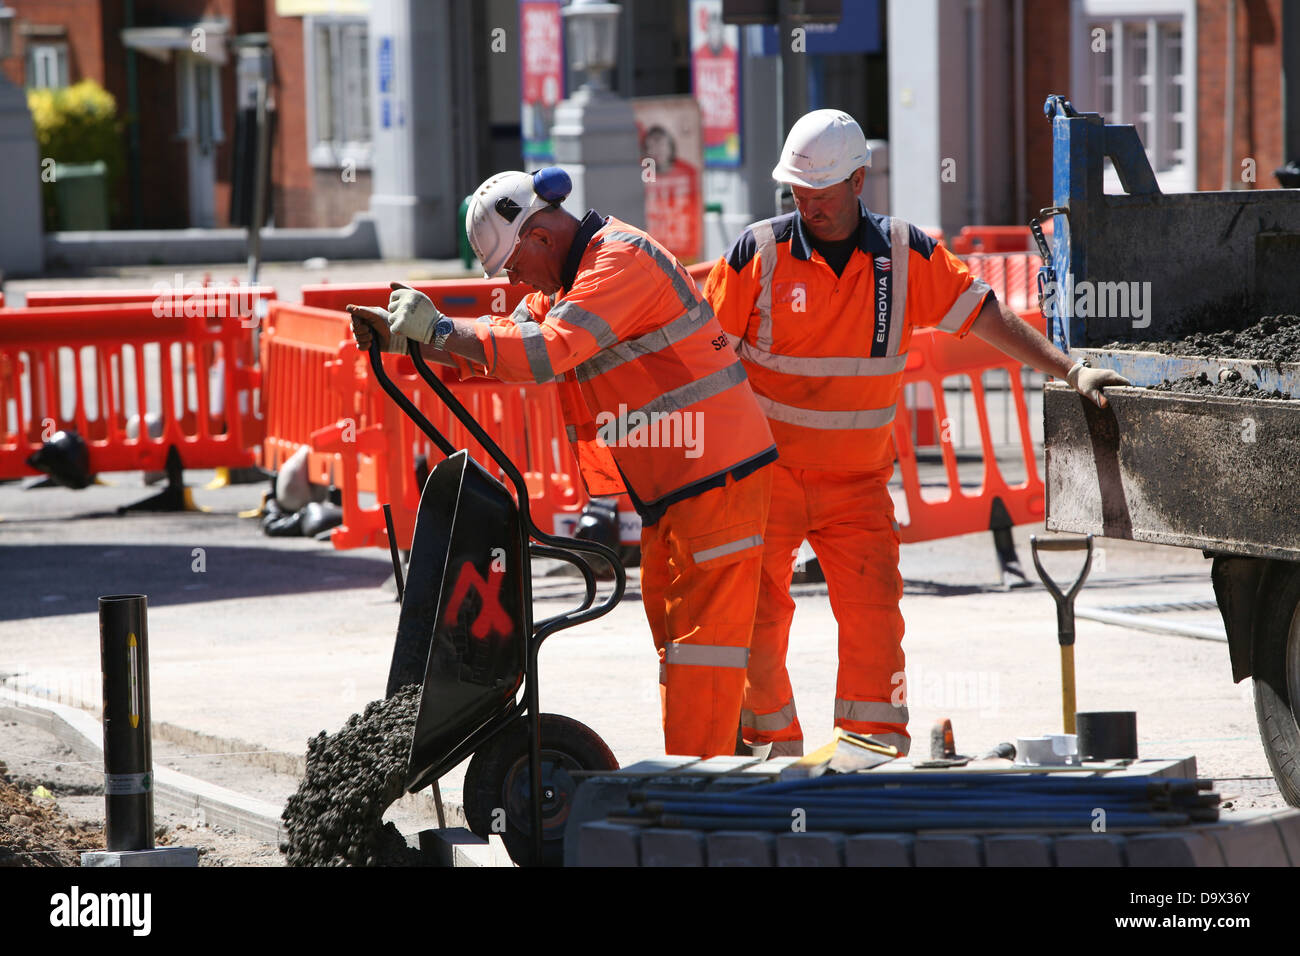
497, 784
1277, 676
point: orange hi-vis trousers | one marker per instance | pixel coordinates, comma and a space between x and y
848, 518
700, 569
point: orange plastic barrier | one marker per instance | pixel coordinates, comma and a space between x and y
459, 297
932, 357
989, 239
101, 369
1012, 275
320, 393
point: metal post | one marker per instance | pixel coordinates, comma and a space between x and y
259, 187
128, 751
794, 66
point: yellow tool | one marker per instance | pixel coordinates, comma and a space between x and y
1064, 613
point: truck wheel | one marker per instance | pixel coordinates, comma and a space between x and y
497, 791
1276, 668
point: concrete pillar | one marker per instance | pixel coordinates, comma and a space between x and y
22, 243
414, 197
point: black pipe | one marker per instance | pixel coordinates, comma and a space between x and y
128, 750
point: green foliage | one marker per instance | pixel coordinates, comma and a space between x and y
76, 124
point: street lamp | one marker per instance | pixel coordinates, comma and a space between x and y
592, 28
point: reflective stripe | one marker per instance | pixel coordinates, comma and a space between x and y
681, 286
900, 249
822, 366
539, 362
571, 432
679, 398
901, 741
734, 341
810, 418
731, 547
952, 322
675, 331
870, 711
787, 748
777, 720
587, 321
766, 241
707, 655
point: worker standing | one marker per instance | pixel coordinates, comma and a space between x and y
821, 304
655, 403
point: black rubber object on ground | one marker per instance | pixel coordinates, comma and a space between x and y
1276, 665
497, 784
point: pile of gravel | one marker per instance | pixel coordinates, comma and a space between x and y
1274, 338
1234, 388
335, 818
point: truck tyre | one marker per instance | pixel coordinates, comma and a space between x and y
1276, 665
497, 792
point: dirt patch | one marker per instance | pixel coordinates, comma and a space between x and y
33, 832
335, 818
1273, 338
1233, 388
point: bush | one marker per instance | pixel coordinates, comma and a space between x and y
76, 124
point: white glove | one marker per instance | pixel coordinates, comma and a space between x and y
413, 314
1089, 382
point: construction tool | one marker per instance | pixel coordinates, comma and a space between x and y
1064, 613
466, 634
943, 749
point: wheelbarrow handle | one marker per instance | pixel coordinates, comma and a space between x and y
503, 460
404, 403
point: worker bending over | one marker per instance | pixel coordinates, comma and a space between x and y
821, 304
634, 347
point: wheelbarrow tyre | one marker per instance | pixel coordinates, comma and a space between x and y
496, 791
1276, 664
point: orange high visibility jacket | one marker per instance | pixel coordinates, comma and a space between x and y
655, 400
825, 354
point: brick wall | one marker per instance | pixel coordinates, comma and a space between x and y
1257, 123
1047, 71
303, 196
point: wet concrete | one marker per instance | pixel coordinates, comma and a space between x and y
1273, 338
1233, 388
335, 818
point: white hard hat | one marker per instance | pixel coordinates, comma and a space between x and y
499, 208
824, 148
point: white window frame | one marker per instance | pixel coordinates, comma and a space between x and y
324, 154
1083, 13
43, 50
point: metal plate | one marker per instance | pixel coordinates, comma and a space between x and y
1201, 472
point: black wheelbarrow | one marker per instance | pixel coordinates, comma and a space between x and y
467, 635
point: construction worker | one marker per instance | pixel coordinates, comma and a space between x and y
656, 404
820, 304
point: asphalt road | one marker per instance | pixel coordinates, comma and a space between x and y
267, 641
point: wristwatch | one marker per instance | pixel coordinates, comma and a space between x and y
442, 331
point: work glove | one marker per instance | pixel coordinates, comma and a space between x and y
1089, 382
413, 314
370, 320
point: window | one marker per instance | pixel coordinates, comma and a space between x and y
338, 91
1132, 67
47, 65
